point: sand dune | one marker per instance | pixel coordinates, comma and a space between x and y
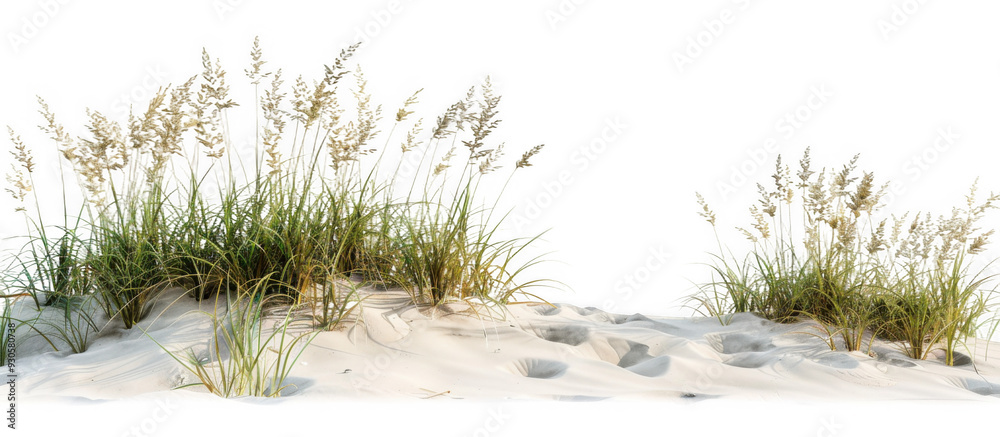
527, 352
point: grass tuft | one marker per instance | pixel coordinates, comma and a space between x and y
819, 252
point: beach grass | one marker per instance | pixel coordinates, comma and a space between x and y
169, 201
819, 252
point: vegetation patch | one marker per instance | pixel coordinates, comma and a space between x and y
819, 252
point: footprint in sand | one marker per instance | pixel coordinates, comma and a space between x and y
537, 368
547, 310
735, 342
601, 316
636, 353
635, 358
750, 360
652, 367
978, 386
566, 334
960, 358
641, 321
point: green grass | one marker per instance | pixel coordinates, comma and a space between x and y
254, 347
9, 325
127, 261
76, 325
819, 253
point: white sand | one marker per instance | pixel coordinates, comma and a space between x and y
684, 370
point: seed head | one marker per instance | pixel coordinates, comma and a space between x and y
524, 161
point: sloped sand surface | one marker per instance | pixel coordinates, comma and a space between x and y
523, 351
397, 351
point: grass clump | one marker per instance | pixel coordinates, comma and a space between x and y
168, 201
447, 249
819, 251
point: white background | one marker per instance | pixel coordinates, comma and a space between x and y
893, 74
896, 72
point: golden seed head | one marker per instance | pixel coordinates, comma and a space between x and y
444, 164
22, 154
804, 173
706, 212
19, 177
526, 157
749, 236
411, 137
760, 224
256, 56
404, 111
488, 164
979, 243
877, 242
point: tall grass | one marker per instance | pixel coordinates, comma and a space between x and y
819, 252
49, 267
